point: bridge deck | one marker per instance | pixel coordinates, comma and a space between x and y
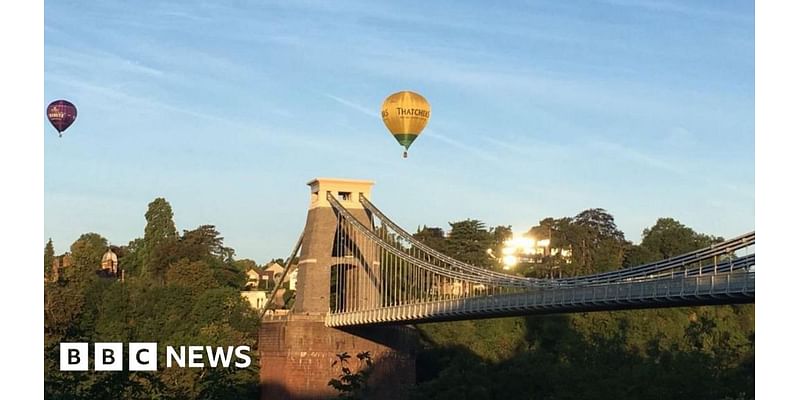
722, 288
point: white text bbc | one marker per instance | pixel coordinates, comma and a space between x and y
144, 356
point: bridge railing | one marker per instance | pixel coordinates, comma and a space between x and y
719, 252
382, 270
725, 288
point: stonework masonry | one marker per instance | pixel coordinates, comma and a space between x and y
297, 357
297, 352
314, 267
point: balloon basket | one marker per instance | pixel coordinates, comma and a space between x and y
405, 154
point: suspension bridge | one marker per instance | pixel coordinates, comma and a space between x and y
380, 274
362, 279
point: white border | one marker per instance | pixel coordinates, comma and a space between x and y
21, 155
777, 129
22, 199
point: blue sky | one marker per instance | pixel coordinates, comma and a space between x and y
544, 108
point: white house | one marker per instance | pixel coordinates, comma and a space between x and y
256, 298
293, 279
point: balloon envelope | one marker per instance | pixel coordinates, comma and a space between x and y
61, 114
405, 114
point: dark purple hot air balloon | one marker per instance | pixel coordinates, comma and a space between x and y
61, 114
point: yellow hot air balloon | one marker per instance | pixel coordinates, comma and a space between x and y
405, 114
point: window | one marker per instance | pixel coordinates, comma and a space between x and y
345, 196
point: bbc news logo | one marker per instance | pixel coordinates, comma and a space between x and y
144, 356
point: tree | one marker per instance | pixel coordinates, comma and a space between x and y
245, 264
597, 244
49, 256
87, 252
600, 222
432, 237
160, 231
468, 242
195, 275
200, 303
205, 244
131, 260
638, 255
352, 385
204, 241
499, 235
561, 234
669, 238
700, 352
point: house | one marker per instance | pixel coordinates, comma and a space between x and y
274, 272
256, 298
266, 278
254, 278
293, 279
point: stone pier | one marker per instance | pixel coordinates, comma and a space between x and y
297, 350
297, 357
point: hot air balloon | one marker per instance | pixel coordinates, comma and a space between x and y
61, 114
405, 114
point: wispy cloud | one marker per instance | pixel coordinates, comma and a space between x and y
430, 132
117, 97
182, 14
364, 110
637, 156
691, 9
517, 90
527, 148
530, 24
476, 151
59, 57
510, 81
682, 168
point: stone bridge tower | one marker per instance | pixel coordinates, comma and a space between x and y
298, 350
318, 251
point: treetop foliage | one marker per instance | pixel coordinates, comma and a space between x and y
701, 352
160, 225
184, 289
49, 257
186, 292
669, 238
159, 232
